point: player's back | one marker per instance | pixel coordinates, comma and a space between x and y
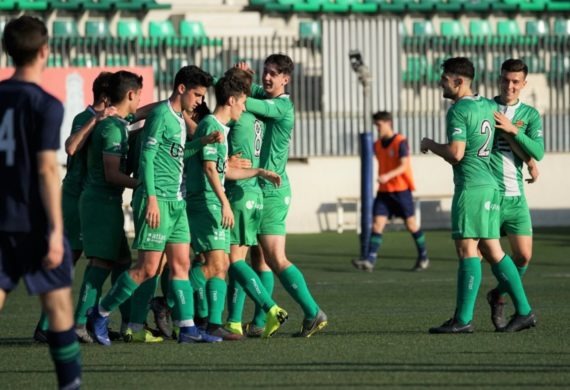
471, 120
30, 121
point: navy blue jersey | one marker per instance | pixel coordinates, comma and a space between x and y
30, 122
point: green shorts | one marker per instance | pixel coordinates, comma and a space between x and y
71, 221
276, 203
515, 216
172, 229
247, 207
475, 213
102, 223
205, 220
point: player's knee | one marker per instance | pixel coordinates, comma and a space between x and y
179, 268
522, 258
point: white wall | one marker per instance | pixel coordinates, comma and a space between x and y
319, 182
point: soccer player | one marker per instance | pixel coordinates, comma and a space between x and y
209, 211
100, 205
519, 138
475, 207
271, 103
160, 217
394, 196
32, 242
246, 200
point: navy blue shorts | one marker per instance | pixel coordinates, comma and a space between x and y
21, 256
394, 204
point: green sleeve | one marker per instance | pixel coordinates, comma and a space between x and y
150, 143
193, 147
257, 91
268, 108
456, 125
111, 140
532, 142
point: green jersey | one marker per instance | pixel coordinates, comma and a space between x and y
77, 164
110, 137
161, 161
506, 165
245, 137
279, 117
197, 184
471, 120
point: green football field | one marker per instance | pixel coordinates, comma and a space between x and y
377, 333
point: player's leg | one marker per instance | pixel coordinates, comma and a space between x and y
256, 327
2, 298
380, 213
236, 293
408, 213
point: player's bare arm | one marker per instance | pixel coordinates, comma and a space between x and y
152, 215
113, 174
49, 185
211, 172
75, 141
452, 153
240, 174
236, 161
143, 111
191, 124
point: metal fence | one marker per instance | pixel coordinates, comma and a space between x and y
326, 93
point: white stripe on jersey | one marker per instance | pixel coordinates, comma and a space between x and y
509, 168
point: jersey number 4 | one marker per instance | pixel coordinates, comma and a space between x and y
485, 130
7, 141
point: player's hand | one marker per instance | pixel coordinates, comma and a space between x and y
424, 145
533, 172
227, 216
271, 176
236, 161
54, 256
244, 66
504, 124
213, 138
152, 212
383, 179
107, 112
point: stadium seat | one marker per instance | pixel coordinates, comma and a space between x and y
558, 5
537, 27
193, 33
281, 6
422, 5
309, 6
452, 28
55, 61
416, 68
64, 29
71, 5
310, 31
480, 31
85, 60
32, 5
116, 60
476, 5
423, 28
505, 5
360, 7
449, 6
536, 64
508, 31
533, 5
397, 6
129, 28
562, 27
162, 31
140, 5
559, 67
98, 5
7, 5
259, 3
335, 6
97, 28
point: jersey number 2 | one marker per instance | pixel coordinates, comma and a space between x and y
485, 130
7, 141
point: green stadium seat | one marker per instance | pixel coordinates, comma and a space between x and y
476, 5
360, 7
508, 31
259, 3
416, 68
162, 31
55, 61
533, 5
98, 5
536, 64
71, 5
140, 5
506, 5
85, 61
129, 28
7, 5
423, 28
480, 31
422, 5
193, 33
280, 6
452, 28
97, 28
449, 6
33, 5
559, 67
397, 6
558, 5
310, 31
116, 60
64, 29
537, 27
562, 27
335, 6
309, 6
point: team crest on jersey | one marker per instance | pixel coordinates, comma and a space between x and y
249, 204
519, 124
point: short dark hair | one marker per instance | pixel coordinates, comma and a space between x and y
244, 75
283, 62
514, 65
192, 77
460, 66
121, 82
101, 86
381, 116
227, 87
23, 38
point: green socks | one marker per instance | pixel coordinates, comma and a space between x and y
125, 307
268, 282
468, 282
140, 300
507, 274
180, 292
247, 277
43, 324
122, 290
294, 282
502, 287
198, 281
216, 289
236, 300
93, 280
